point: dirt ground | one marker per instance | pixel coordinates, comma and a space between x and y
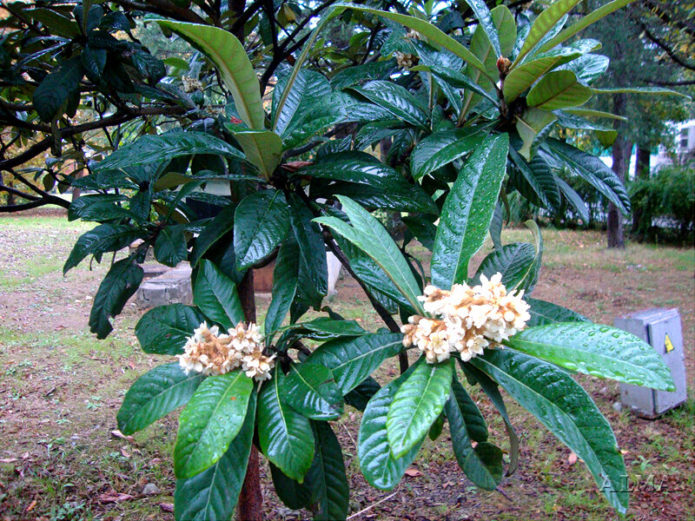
60, 389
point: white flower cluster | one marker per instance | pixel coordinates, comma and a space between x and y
405, 60
210, 353
467, 319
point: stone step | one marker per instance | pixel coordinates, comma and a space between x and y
171, 287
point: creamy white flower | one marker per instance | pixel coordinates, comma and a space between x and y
466, 319
210, 353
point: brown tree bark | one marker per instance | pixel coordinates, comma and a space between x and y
642, 169
621, 157
250, 506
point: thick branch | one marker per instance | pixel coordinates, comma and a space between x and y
671, 53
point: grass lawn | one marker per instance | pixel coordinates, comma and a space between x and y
60, 390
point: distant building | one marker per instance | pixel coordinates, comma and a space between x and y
684, 148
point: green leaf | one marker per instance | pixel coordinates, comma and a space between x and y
170, 246
120, 283
552, 396
434, 35
210, 421
284, 435
537, 182
588, 68
216, 296
368, 234
222, 223
596, 350
396, 99
55, 21
652, 91
262, 148
591, 169
229, 57
543, 313
441, 148
456, 79
261, 222
573, 198
522, 77
584, 22
327, 475
325, 328
97, 207
213, 494
315, 116
360, 395
307, 87
543, 24
352, 360
581, 111
293, 494
516, 263
313, 268
479, 8
164, 330
355, 167
99, 240
311, 390
54, 92
379, 467
468, 210
285, 279
423, 230
149, 150
154, 395
482, 464
416, 405
558, 90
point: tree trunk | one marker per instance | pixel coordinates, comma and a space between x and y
250, 506
621, 151
642, 169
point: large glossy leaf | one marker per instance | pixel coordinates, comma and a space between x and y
416, 405
261, 222
229, 57
468, 210
57, 88
354, 167
532, 126
596, 350
455, 79
164, 330
552, 396
213, 231
326, 328
482, 463
491, 389
170, 247
262, 148
537, 177
403, 197
434, 35
591, 169
308, 86
216, 295
584, 22
360, 395
311, 389
379, 467
213, 494
210, 421
441, 148
587, 68
148, 150
352, 360
522, 77
558, 90
327, 475
315, 116
482, 13
285, 279
284, 435
154, 395
396, 99
293, 494
369, 235
543, 313
515, 262
98, 207
652, 91
99, 240
313, 270
120, 283
543, 24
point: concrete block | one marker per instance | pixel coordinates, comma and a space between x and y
172, 286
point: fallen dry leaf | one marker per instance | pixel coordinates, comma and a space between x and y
30, 507
114, 497
118, 434
166, 507
572, 459
413, 472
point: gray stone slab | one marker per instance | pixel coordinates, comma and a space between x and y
171, 287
